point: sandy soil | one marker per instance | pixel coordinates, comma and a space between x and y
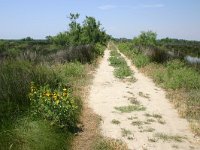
155, 128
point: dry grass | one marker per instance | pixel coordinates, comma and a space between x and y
109, 144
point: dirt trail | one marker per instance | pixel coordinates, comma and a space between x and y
156, 127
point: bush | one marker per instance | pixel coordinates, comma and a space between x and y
141, 60
57, 106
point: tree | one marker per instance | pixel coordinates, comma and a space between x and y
147, 39
74, 29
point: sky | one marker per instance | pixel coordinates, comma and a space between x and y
120, 18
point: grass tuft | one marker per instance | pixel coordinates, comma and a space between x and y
114, 121
130, 108
166, 137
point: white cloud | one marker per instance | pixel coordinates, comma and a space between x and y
153, 6
107, 7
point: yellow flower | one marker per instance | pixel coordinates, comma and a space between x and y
64, 94
55, 97
57, 102
64, 89
48, 94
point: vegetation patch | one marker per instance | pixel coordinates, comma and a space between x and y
114, 121
166, 137
121, 68
130, 108
143, 95
109, 144
41, 82
125, 132
137, 123
149, 129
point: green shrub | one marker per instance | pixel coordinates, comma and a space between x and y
140, 60
99, 49
57, 106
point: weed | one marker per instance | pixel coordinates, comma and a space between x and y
161, 121
150, 120
134, 101
122, 72
109, 144
148, 129
147, 115
166, 137
130, 108
130, 138
143, 95
157, 116
121, 68
125, 132
137, 123
131, 118
153, 140
175, 146
114, 121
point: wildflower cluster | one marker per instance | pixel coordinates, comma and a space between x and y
58, 106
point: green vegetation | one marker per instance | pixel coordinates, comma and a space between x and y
181, 80
109, 144
143, 95
125, 132
130, 108
166, 137
149, 129
40, 83
137, 123
122, 70
114, 121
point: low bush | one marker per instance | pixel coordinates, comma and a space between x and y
58, 106
140, 60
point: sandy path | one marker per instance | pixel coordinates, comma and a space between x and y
135, 128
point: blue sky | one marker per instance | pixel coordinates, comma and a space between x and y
120, 18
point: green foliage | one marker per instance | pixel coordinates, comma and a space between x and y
58, 106
122, 72
141, 60
17, 75
34, 134
177, 75
90, 32
117, 61
39, 61
130, 108
121, 68
109, 144
181, 47
146, 39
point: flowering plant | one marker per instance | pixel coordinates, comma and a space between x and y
58, 106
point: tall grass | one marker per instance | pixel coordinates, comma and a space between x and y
18, 128
34, 134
